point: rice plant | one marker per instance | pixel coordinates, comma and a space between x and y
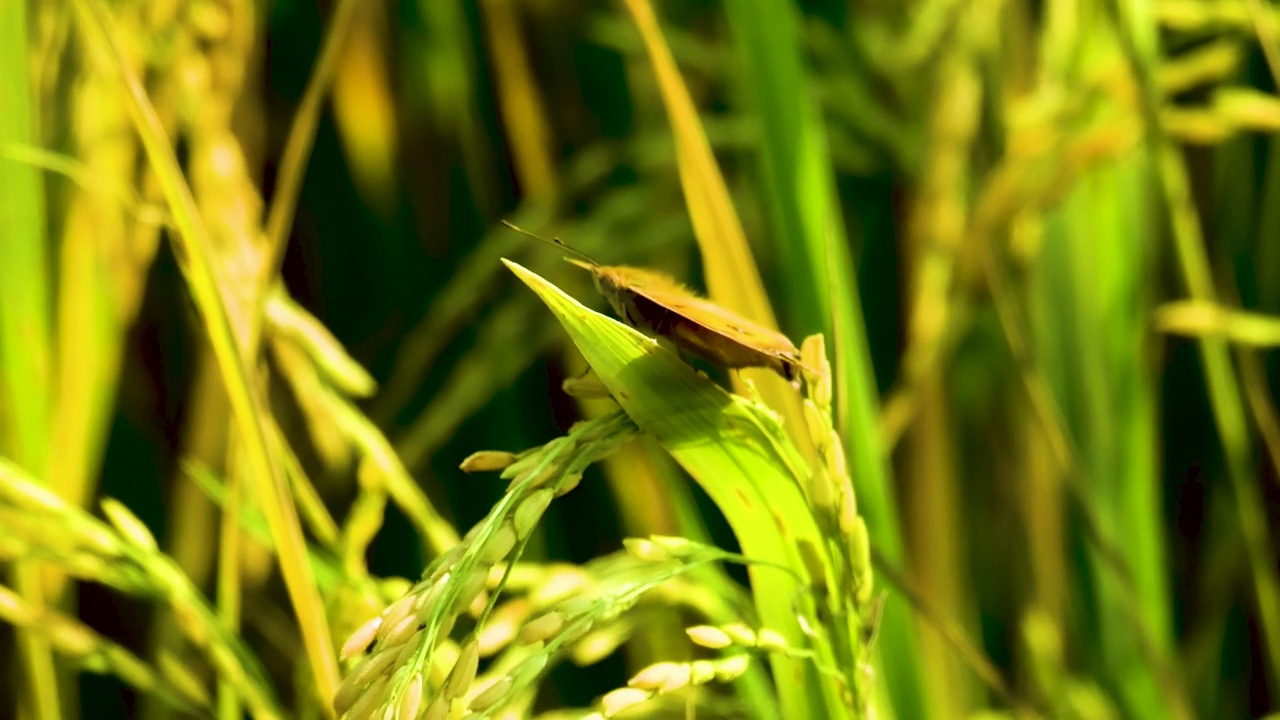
293, 424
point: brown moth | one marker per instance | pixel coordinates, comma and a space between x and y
661, 307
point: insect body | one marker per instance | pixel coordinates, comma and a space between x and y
659, 306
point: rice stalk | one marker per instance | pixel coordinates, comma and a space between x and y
194, 245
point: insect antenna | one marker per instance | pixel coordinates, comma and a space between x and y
555, 242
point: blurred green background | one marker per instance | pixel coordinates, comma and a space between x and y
1041, 236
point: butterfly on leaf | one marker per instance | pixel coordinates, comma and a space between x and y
661, 307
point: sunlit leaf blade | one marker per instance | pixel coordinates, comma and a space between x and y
24, 317
24, 261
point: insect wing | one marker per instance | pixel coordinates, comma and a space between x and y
719, 335
657, 304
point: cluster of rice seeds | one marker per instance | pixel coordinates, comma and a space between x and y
589, 623
568, 609
103, 137
719, 637
831, 495
665, 678
547, 586
564, 594
405, 637
123, 556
